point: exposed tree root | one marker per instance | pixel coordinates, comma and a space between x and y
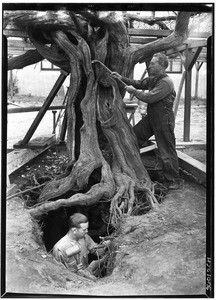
92, 196
123, 201
71, 43
102, 190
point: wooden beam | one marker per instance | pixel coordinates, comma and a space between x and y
11, 189
178, 97
130, 109
149, 32
182, 143
189, 164
19, 44
15, 52
11, 91
14, 33
191, 58
141, 40
200, 35
19, 157
187, 104
63, 128
198, 65
194, 57
188, 44
33, 108
39, 142
186, 144
163, 33
15, 104
43, 109
192, 166
137, 36
148, 148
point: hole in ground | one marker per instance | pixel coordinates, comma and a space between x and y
54, 226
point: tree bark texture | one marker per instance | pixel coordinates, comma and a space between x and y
93, 97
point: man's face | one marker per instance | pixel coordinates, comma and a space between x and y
154, 67
82, 230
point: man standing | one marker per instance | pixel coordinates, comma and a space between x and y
73, 248
159, 120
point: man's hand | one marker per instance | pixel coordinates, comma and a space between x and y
106, 243
130, 89
116, 75
103, 244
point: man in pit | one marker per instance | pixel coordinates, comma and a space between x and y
72, 249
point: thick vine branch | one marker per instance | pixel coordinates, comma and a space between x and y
105, 189
29, 58
141, 53
151, 20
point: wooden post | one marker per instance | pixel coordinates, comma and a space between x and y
44, 108
177, 101
54, 121
11, 84
198, 66
63, 128
190, 61
187, 106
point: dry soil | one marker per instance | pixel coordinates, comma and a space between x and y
160, 253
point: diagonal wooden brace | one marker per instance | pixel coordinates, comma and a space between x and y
44, 108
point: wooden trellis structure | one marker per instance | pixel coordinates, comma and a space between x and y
191, 52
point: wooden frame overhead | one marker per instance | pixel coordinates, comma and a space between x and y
190, 52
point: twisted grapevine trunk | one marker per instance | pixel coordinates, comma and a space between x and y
72, 42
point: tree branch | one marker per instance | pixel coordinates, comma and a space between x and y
29, 58
150, 21
141, 53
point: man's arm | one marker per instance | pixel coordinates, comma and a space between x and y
66, 252
138, 84
159, 92
95, 248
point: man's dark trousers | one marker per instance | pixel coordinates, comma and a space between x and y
160, 122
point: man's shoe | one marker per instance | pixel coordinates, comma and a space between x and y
175, 185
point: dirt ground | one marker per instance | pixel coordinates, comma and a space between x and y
161, 253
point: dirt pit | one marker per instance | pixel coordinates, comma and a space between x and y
162, 252
159, 253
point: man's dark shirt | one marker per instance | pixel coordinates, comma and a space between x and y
158, 89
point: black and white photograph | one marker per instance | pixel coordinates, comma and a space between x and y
107, 161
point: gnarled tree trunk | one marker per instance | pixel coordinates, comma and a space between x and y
72, 46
